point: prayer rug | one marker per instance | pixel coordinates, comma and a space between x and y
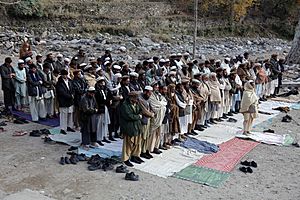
48, 122
203, 175
231, 152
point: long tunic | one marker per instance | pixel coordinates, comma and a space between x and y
20, 81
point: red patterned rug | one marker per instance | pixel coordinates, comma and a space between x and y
231, 152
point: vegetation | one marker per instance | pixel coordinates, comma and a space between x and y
27, 9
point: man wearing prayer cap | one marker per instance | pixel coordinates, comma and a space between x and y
130, 127
65, 97
198, 102
107, 55
59, 63
134, 85
81, 57
147, 114
225, 65
50, 59
89, 75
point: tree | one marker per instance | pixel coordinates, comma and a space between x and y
294, 55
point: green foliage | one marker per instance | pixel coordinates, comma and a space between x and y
27, 9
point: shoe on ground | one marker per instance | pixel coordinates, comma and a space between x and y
148, 154
105, 140
144, 155
63, 132
134, 160
122, 169
131, 177
70, 129
35, 133
49, 141
249, 170
139, 159
100, 143
246, 163
67, 160
107, 166
128, 163
62, 161
163, 148
73, 160
95, 166
156, 151
112, 139
94, 159
243, 169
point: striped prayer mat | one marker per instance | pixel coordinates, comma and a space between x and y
203, 175
230, 153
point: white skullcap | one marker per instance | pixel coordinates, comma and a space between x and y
173, 55
179, 54
149, 88
167, 60
100, 78
150, 61
87, 67
107, 59
173, 68
118, 75
172, 73
186, 54
59, 55
106, 62
134, 74
162, 60
196, 81
39, 55
27, 59
67, 60
218, 61
82, 65
118, 67
227, 59
91, 89
98, 69
20, 61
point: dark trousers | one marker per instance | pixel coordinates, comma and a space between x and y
9, 98
87, 136
114, 114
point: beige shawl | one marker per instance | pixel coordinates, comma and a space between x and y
249, 98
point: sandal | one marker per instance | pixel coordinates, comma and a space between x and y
2, 130
19, 133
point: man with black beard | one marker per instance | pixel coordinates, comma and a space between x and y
146, 115
50, 59
198, 102
134, 85
124, 90
142, 79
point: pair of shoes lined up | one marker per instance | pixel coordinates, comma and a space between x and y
247, 166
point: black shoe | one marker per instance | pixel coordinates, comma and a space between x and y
144, 155
117, 136
246, 163
35, 133
128, 163
16, 121
230, 114
67, 160
3, 124
63, 132
133, 159
194, 132
220, 120
269, 131
100, 143
148, 154
213, 121
122, 169
95, 166
253, 164
72, 148
62, 161
131, 177
81, 157
45, 131
105, 140
107, 166
70, 129
112, 139
232, 120
243, 169
73, 160
208, 122
94, 159
139, 159
156, 151
164, 148
249, 170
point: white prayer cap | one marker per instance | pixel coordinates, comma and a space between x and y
179, 54
91, 89
186, 54
257, 64
39, 55
82, 65
134, 74
107, 59
67, 60
100, 78
227, 59
162, 60
218, 61
196, 81
117, 67
20, 61
167, 60
27, 59
59, 55
87, 67
150, 61
173, 68
118, 75
149, 88
172, 73
98, 69
106, 62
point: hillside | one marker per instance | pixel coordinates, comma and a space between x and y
161, 17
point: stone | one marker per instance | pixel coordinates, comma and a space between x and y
122, 49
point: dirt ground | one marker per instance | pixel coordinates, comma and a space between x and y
26, 162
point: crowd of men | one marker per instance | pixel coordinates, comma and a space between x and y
150, 105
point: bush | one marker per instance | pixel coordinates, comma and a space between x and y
26, 9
